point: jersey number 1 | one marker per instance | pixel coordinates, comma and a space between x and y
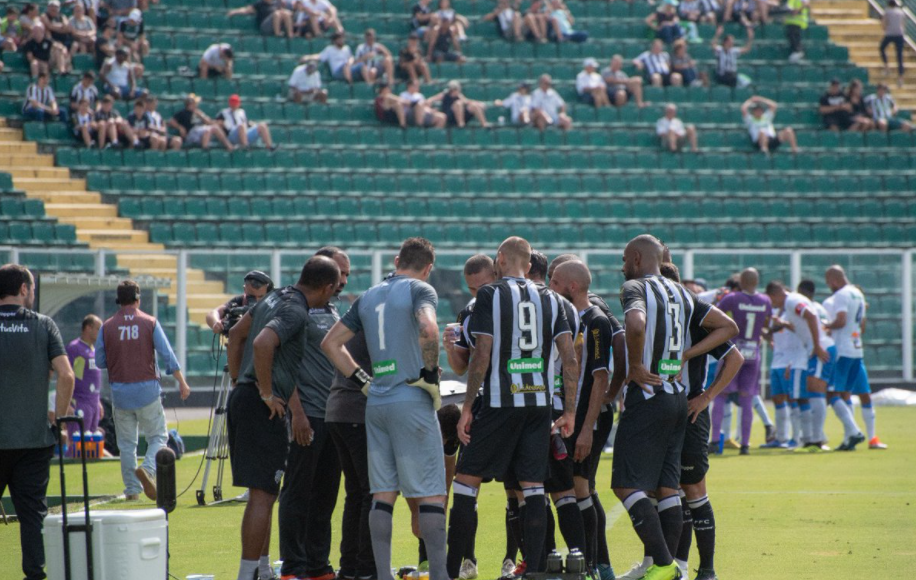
527, 319
381, 325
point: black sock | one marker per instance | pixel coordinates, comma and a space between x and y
423, 557
590, 525
460, 527
704, 525
550, 536
601, 556
672, 520
513, 529
470, 551
535, 528
648, 527
571, 524
683, 547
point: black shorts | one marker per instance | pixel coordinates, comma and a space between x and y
145, 143
773, 144
728, 79
650, 435
605, 424
257, 445
508, 441
841, 121
452, 121
695, 454
390, 117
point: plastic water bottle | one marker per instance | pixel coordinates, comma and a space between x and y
88, 446
721, 443
278, 565
575, 562
77, 446
554, 563
98, 444
558, 447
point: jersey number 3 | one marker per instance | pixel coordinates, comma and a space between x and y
527, 325
674, 342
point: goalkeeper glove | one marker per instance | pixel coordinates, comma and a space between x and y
361, 378
429, 382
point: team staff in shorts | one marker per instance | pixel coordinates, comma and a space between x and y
398, 317
265, 352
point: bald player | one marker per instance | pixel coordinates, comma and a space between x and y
751, 311
847, 308
478, 271
514, 329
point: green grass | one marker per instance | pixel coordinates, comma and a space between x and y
779, 515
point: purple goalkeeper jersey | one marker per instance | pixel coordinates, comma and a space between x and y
88, 376
750, 312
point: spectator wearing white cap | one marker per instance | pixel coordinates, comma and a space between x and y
673, 133
120, 79
239, 130
548, 106
519, 105
217, 60
84, 31
457, 107
131, 35
591, 88
305, 84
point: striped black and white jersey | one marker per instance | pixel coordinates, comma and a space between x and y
670, 310
711, 6
727, 60
593, 349
694, 377
45, 95
655, 63
524, 320
80, 92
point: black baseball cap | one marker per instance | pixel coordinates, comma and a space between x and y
258, 278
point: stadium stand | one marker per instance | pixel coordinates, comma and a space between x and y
341, 178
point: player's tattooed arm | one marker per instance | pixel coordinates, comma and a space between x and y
429, 336
477, 370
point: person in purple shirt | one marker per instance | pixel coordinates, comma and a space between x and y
751, 311
81, 352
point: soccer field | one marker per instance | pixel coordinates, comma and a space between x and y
779, 515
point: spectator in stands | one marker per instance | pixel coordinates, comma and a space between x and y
195, 127
339, 59
271, 17
158, 133
10, 30
560, 21
536, 21
411, 62
239, 129
508, 21
418, 110
118, 10
519, 105
548, 107
893, 22
42, 53
217, 60
389, 108
861, 118
28, 18
40, 103
375, 57
459, 23
443, 44
834, 108
83, 29
118, 126
120, 78
57, 24
691, 11
884, 111
315, 17
758, 113
746, 12
590, 86
131, 35
727, 55
86, 128
656, 65
665, 22
796, 22
423, 19
673, 133
305, 84
85, 89
106, 43
140, 122
683, 64
458, 108
620, 86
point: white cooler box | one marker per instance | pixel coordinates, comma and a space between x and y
125, 544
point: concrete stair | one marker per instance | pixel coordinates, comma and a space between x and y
852, 26
97, 223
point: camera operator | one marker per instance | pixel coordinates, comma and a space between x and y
257, 285
266, 349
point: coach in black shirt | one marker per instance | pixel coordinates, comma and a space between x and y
31, 347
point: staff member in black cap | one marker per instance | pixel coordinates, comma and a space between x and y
256, 286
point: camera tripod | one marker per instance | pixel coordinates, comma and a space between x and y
218, 443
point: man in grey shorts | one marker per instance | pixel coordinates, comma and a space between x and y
398, 317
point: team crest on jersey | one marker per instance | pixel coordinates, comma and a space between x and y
520, 389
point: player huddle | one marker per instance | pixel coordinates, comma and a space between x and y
545, 364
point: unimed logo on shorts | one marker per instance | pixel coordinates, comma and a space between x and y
384, 368
669, 367
525, 365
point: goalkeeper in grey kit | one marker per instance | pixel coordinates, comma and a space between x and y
398, 317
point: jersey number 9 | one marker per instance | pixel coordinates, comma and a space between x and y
526, 318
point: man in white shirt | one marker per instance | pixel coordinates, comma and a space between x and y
519, 105
339, 59
216, 60
120, 80
758, 113
375, 57
305, 84
315, 17
673, 133
239, 131
590, 86
418, 112
620, 86
548, 106
883, 110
